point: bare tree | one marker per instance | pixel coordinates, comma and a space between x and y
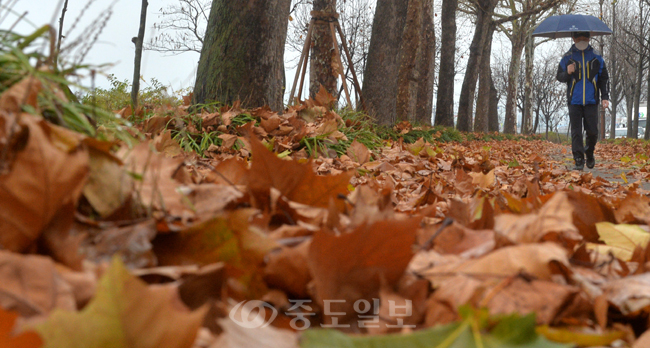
135, 88
182, 28
355, 20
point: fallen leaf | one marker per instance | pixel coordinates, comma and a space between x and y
634, 208
533, 259
353, 265
226, 239
30, 285
358, 152
553, 222
288, 270
124, 313
582, 339
509, 331
108, 186
484, 181
296, 181
43, 186
8, 339
238, 336
156, 174
620, 240
630, 295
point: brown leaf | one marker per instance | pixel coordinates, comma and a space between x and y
132, 243
44, 184
358, 152
353, 265
109, 186
271, 124
546, 299
324, 98
22, 93
532, 259
629, 295
296, 181
457, 239
484, 181
228, 140
587, 211
634, 208
158, 187
553, 222
30, 285
164, 143
288, 270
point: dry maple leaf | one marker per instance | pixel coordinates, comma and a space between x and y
26, 339
353, 265
44, 184
125, 312
296, 181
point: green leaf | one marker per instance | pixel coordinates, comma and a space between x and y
507, 332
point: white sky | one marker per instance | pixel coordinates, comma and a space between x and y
114, 45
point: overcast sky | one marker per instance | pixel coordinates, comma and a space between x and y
114, 45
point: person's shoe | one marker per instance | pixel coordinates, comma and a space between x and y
580, 164
591, 162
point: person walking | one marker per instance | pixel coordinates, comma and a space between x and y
584, 71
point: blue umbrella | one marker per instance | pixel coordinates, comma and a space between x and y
566, 25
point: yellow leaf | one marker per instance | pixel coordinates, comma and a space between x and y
621, 239
624, 177
581, 339
125, 312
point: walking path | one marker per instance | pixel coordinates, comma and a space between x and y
607, 166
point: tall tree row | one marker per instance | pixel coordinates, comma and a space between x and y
398, 83
242, 57
445, 96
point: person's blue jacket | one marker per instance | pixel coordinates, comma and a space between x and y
589, 82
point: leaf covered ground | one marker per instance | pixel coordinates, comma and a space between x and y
238, 228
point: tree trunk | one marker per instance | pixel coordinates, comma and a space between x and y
629, 108
510, 126
493, 116
380, 77
321, 71
135, 88
481, 123
536, 125
476, 50
646, 135
426, 66
527, 122
407, 72
243, 53
634, 129
445, 98
614, 94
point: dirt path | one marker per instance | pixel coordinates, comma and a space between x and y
607, 166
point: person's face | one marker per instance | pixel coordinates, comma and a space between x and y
580, 38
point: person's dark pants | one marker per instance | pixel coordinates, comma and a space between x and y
587, 115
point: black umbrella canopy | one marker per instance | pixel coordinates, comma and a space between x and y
565, 25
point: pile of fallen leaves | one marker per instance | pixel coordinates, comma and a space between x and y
256, 243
